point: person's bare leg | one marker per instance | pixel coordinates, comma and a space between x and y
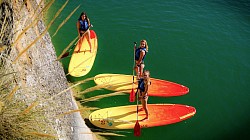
141, 69
144, 106
136, 68
80, 44
88, 38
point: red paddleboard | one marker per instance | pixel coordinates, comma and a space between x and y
121, 82
125, 117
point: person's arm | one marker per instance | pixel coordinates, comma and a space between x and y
89, 22
78, 27
146, 88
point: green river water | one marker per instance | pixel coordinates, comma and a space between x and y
203, 45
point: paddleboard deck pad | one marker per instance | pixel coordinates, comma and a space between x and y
122, 82
81, 62
124, 117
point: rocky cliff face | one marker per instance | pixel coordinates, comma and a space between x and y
37, 67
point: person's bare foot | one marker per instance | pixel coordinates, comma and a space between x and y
141, 109
145, 119
91, 50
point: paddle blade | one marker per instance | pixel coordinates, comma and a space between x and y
65, 55
132, 96
137, 129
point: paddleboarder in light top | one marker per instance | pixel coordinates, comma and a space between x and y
143, 86
83, 24
140, 54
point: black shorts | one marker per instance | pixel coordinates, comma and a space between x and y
82, 32
140, 64
144, 97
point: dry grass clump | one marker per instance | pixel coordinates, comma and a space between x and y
19, 119
22, 118
85, 110
98, 97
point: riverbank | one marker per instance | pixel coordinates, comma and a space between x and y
33, 57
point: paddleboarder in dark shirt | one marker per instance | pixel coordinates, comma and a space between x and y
140, 54
143, 86
83, 24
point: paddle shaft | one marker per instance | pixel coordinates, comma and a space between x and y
67, 53
137, 128
132, 93
79, 39
134, 64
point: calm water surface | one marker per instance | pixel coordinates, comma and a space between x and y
203, 45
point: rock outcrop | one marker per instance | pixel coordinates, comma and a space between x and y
37, 67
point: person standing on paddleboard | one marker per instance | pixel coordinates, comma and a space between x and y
140, 54
143, 87
83, 24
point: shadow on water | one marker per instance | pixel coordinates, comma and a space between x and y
92, 127
95, 129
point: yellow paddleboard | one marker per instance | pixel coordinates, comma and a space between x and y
82, 62
124, 117
116, 82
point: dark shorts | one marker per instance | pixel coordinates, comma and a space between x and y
144, 97
140, 64
82, 32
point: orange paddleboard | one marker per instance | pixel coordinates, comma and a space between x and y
122, 82
124, 117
